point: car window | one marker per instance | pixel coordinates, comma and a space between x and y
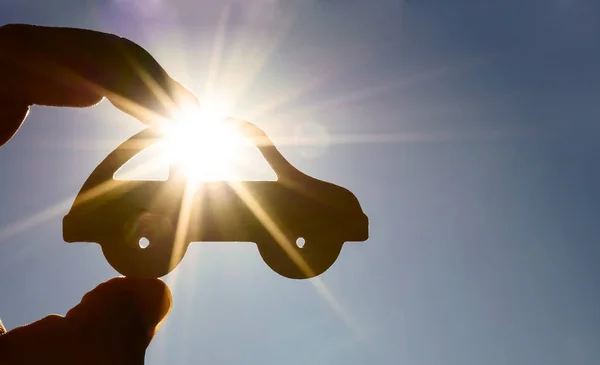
149, 164
250, 165
246, 164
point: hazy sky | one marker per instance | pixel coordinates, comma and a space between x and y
467, 129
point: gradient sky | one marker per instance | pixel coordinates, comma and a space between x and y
467, 129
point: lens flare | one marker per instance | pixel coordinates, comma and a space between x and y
201, 145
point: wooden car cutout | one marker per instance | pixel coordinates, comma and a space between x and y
275, 215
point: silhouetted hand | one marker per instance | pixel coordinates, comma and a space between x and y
113, 324
69, 67
78, 68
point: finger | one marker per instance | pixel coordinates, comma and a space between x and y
12, 115
113, 324
77, 67
134, 304
72, 67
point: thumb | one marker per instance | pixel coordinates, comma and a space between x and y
126, 309
113, 324
12, 115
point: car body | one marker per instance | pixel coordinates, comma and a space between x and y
273, 214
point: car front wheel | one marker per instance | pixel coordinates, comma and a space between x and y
144, 249
302, 257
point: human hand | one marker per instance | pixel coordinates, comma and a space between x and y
78, 68
113, 324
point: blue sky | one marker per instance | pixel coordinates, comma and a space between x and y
467, 129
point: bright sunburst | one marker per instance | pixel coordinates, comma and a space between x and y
201, 145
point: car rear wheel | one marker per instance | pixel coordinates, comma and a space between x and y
301, 257
144, 248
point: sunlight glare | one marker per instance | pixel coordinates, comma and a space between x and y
202, 145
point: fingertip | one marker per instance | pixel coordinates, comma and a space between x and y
153, 298
183, 96
124, 301
12, 116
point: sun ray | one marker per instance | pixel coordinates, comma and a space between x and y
335, 305
262, 215
271, 227
16, 228
217, 53
283, 98
110, 185
238, 79
202, 147
355, 97
62, 73
168, 98
155, 88
183, 221
244, 62
62, 206
406, 137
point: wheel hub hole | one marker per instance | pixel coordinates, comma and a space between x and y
144, 243
300, 242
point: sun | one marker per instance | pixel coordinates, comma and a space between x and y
201, 145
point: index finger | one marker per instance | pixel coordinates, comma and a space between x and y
72, 67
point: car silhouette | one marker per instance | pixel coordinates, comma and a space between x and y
275, 215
